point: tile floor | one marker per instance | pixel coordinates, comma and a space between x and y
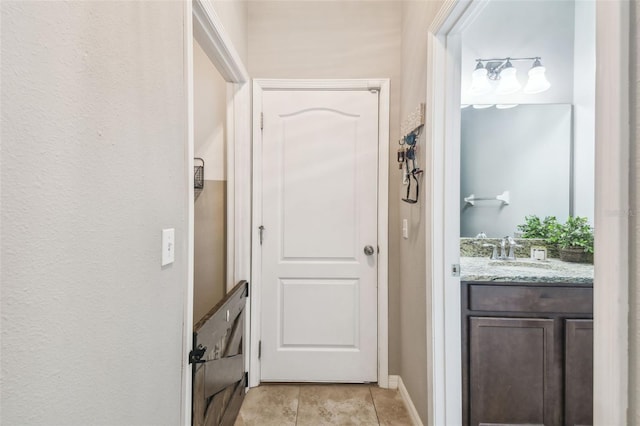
319, 405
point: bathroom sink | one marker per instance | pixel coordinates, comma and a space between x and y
520, 263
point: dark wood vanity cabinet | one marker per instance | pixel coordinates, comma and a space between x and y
527, 354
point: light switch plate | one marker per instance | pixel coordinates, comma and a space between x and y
168, 246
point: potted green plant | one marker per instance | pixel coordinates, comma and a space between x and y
546, 229
542, 234
576, 240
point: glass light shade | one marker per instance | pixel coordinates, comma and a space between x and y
463, 106
537, 82
482, 106
479, 82
506, 106
508, 81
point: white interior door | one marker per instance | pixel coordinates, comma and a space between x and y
319, 212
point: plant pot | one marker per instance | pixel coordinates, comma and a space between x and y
576, 255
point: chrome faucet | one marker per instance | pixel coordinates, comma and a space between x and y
506, 242
511, 244
503, 246
494, 254
512, 248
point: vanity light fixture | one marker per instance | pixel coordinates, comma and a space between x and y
503, 71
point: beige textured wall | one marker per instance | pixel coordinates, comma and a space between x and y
358, 39
92, 169
209, 247
634, 255
414, 271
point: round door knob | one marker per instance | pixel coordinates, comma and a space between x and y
368, 250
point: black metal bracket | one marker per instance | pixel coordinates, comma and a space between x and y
195, 356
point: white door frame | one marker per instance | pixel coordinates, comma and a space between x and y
202, 22
611, 308
382, 85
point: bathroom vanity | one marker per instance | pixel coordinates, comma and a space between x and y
527, 351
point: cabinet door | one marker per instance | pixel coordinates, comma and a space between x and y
513, 372
578, 372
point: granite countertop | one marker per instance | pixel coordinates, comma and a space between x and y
525, 270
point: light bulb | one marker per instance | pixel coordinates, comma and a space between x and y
508, 80
537, 82
479, 82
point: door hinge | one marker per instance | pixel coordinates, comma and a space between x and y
455, 270
261, 229
246, 379
261, 120
259, 349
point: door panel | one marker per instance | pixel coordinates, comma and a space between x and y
511, 367
218, 361
319, 211
578, 364
318, 150
305, 301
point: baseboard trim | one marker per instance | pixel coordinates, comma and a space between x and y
413, 413
393, 381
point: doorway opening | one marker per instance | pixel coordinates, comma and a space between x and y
211, 238
219, 196
526, 195
610, 309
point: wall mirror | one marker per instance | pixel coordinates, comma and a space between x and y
514, 162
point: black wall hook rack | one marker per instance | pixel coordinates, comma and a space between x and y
198, 173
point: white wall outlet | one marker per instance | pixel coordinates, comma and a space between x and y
168, 246
405, 229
